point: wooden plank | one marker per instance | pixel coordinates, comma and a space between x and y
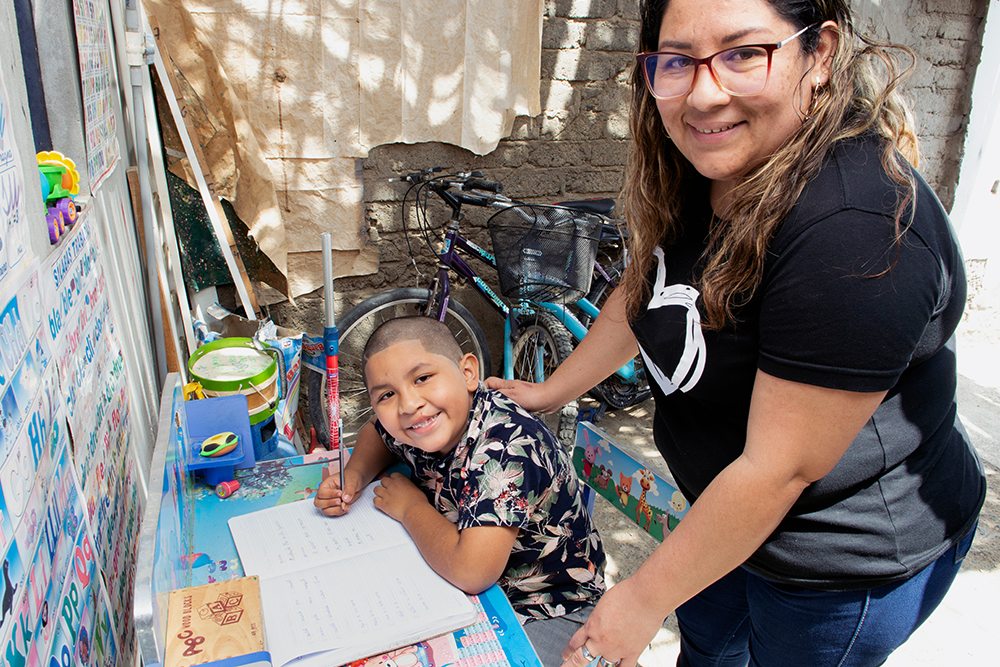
166, 314
204, 178
213, 622
159, 168
173, 360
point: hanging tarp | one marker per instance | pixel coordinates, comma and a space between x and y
287, 95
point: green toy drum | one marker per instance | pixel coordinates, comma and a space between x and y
230, 366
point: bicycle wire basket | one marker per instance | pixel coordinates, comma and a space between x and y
545, 253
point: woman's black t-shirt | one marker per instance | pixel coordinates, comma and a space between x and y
840, 305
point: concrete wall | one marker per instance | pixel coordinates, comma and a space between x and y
576, 148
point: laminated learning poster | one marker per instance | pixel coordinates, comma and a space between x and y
90, 367
13, 223
97, 80
54, 609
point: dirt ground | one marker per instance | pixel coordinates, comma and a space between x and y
962, 631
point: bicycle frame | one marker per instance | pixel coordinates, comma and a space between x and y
576, 328
449, 258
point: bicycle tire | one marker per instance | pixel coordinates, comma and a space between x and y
613, 391
355, 327
618, 394
543, 333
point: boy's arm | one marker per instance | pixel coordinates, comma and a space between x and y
369, 457
472, 559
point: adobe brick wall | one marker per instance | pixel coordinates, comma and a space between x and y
946, 36
576, 147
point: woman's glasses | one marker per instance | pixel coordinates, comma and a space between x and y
739, 71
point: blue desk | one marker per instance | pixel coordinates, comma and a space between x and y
185, 541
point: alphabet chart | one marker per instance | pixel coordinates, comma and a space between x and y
97, 79
69, 508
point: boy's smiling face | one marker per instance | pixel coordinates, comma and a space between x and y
422, 399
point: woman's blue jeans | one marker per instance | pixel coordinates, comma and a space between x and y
744, 619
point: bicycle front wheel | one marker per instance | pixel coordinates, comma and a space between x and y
357, 325
542, 344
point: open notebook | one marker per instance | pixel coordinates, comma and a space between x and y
338, 589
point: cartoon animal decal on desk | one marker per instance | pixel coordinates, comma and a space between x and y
624, 489
678, 503
590, 455
657, 506
648, 482
603, 477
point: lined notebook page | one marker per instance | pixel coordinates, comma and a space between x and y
338, 589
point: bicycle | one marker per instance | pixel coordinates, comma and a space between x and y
545, 315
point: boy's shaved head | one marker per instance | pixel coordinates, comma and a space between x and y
435, 337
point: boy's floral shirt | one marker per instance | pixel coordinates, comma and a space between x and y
510, 470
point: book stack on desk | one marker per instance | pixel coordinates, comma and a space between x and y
335, 590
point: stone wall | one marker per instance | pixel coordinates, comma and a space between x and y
946, 36
576, 148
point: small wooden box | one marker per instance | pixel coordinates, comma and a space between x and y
213, 622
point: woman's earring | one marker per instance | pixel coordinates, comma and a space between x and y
814, 102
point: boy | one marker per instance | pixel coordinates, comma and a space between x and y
493, 497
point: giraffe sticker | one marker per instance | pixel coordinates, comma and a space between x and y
648, 483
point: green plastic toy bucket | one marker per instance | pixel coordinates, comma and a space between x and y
230, 366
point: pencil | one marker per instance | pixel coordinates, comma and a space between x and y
331, 341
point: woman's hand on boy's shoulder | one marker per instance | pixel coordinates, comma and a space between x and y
528, 395
396, 494
333, 501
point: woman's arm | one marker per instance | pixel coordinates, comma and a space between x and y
471, 559
796, 433
608, 345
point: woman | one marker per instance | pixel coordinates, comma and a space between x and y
794, 289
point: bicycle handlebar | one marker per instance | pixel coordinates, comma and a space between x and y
462, 189
471, 188
472, 198
469, 181
481, 184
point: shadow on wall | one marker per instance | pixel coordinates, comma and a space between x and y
304, 76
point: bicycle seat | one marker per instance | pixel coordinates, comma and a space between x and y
598, 206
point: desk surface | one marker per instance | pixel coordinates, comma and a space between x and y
213, 555
497, 639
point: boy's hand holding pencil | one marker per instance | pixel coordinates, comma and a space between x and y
334, 501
